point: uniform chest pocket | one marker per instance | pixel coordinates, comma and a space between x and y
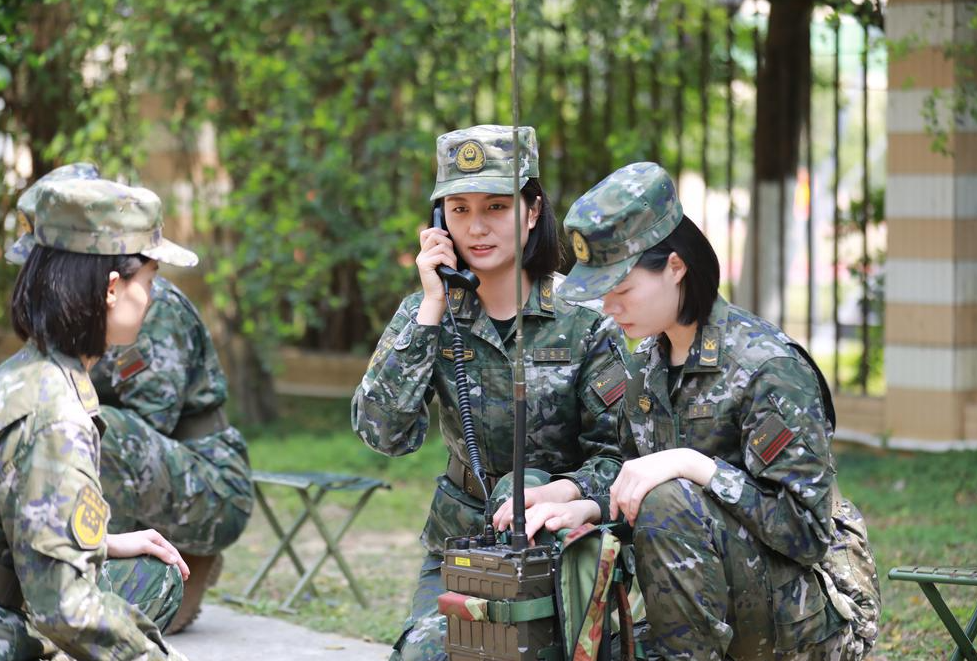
493, 398
797, 598
552, 396
711, 429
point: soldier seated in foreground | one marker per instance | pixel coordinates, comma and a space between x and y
170, 460
85, 286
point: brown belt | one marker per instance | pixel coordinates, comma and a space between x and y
462, 477
10, 594
198, 425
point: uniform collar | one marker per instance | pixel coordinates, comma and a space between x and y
465, 304
79, 379
706, 352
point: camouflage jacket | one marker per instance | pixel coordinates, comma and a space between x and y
574, 377
172, 370
53, 514
750, 401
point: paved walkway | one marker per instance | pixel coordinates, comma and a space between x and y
221, 633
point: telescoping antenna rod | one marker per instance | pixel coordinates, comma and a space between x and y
519, 541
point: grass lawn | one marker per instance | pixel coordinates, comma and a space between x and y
921, 509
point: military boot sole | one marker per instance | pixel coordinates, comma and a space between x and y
208, 568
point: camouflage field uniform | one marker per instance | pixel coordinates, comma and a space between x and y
574, 377
53, 542
170, 461
58, 593
770, 518
767, 561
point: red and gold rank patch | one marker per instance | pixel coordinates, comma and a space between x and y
610, 383
130, 363
770, 439
89, 518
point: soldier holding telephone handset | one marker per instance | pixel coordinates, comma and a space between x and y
575, 371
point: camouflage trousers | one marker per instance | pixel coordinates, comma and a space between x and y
196, 493
154, 588
425, 629
712, 591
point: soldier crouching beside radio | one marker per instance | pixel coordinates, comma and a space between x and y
745, 548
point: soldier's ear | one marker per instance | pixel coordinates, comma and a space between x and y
534, 211
111, 294
676, 268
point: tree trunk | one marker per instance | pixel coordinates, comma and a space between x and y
782, 87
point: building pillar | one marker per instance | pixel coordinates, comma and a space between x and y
931, 210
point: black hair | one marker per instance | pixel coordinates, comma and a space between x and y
59, 299
543, 252
700, 286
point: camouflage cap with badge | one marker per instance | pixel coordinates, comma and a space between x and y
27, 203
612, 224
479, 159
99, 217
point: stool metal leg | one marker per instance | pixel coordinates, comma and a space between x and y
332, 549
965, 648
285, 543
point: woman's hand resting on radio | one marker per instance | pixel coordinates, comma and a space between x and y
556, 516
558, 491
436, 249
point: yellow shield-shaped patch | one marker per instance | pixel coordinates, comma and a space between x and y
89, 518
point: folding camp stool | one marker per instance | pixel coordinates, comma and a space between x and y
927, 578
311, 488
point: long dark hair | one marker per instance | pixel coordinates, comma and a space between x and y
59, 299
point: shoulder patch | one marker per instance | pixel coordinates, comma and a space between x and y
770, 438
130, 363
89, 518
385, 344
610, 383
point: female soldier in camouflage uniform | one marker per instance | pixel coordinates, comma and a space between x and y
745, 548
575, 374
170, 460
85, 285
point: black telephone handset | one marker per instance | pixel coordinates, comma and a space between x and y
464, 278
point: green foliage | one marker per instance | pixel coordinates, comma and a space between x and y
325, 116
943, 109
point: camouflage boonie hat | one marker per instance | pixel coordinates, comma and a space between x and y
613, 223
101, 217
18, 252
479, 160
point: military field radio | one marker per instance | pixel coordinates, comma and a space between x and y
500, 603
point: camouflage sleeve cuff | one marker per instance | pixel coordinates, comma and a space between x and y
727, 482
585, 490
604, 503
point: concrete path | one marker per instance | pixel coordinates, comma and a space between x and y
221, 633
